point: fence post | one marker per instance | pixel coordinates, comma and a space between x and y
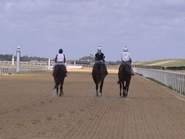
49, 63
75, 63
18, 54
13, 60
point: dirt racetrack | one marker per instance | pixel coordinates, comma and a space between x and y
29, 108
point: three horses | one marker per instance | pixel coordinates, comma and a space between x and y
99, 73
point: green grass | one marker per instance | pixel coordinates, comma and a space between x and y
162, 63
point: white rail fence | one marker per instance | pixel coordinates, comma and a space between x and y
34, 68
174, 80
12, 69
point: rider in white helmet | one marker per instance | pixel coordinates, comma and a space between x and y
100, 57
125, 57
60, 59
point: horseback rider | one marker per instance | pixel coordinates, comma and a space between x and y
100, 57
125, 57
60, 59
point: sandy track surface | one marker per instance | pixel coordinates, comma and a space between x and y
30, 109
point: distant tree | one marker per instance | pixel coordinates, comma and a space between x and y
8, 57
86, 58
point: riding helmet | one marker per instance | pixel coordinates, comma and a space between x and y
125, 49
99, 48
60, 51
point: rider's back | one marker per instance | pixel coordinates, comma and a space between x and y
125, 56
99, 57
60, 58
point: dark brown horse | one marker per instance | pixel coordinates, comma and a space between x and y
98, 73
124, 76
59, 76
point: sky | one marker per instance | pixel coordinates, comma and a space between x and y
151, 29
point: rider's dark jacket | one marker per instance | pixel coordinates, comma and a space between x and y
99, 57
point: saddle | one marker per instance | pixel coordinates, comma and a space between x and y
126, 63
59, 64
99, 62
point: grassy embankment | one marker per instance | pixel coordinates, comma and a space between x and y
163, 64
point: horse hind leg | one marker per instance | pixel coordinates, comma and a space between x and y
60, 91
127, 88
121, 88
61, 88
56, 90
124, 89
97, 89
101, 87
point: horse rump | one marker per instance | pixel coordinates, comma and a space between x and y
124, 77
59, 75
121, 73
98, 73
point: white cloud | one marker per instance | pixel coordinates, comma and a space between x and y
61, 22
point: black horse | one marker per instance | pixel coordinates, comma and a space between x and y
124, 76
59, 76
98, 73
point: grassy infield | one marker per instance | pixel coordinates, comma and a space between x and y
163, 64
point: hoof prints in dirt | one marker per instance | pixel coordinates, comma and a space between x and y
35, 122
60, 115
48, 118
20, 125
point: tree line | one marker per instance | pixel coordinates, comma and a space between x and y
8, 57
